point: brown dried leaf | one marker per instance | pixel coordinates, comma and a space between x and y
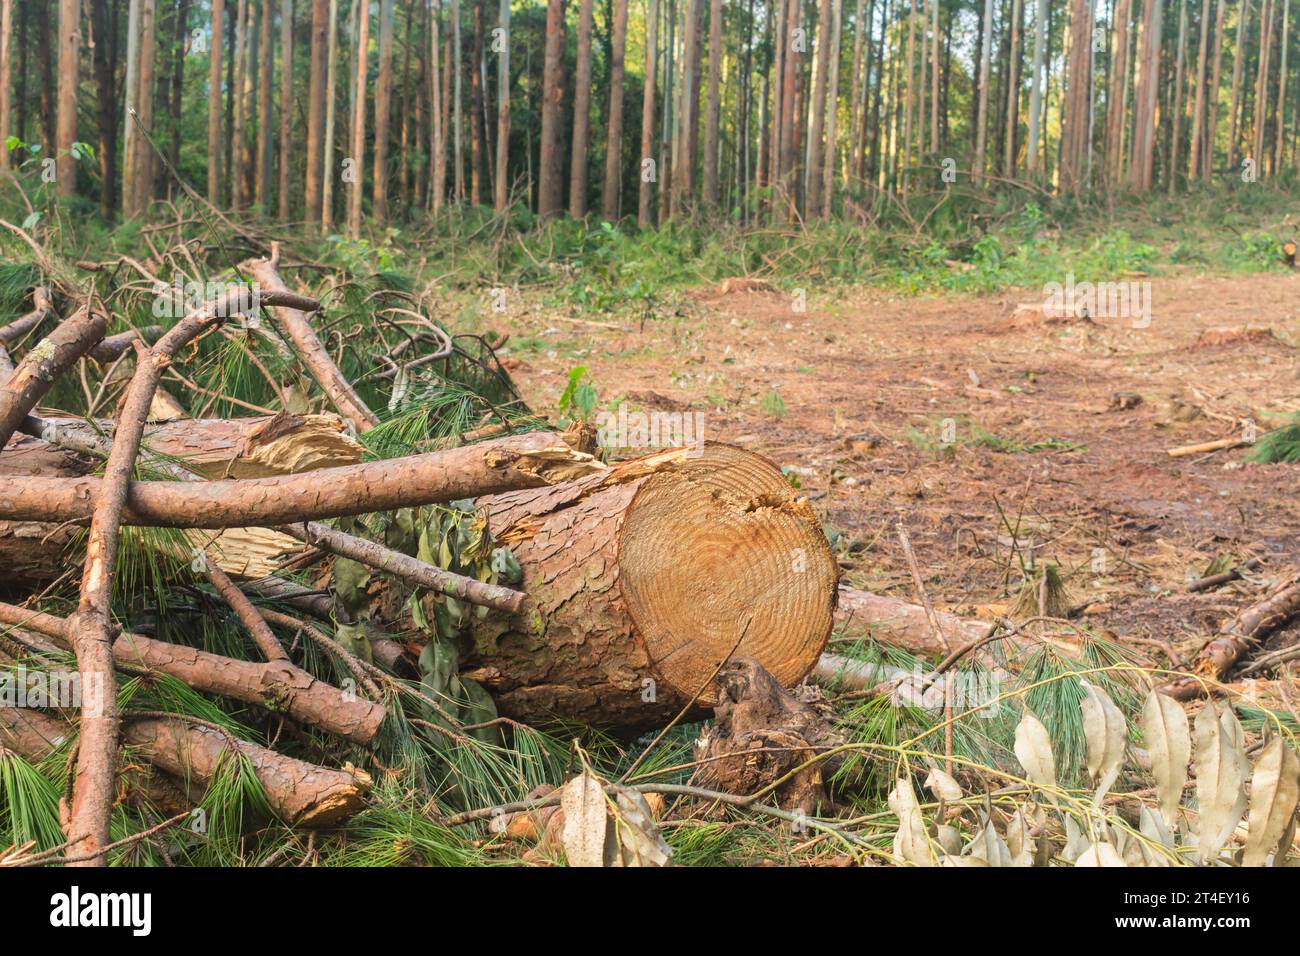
1274, 791
1221, 771
910, 842
1105, 731
585, 821
1165, 731
1034, 751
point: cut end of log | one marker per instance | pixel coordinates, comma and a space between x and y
719, 550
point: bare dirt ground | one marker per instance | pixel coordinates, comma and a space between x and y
1076, 464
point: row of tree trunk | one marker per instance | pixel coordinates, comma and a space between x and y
771, 111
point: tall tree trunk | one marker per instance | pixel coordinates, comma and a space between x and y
910, 96
981, 122
1074, 132
1141, 165
180, 49
286, 105
1280, 127
320, 22
1240, 40
1261, 83
239, 92
714, 106
329, 165
611, 191
687, 106
1013, 94
832, 112
266, 66
1180, 63
129, 129
383, 114
458, 126
1212, 121
437, 129
47, 52
934, 74
6, 70
549, 191
1036, 89
66, 134
787, 193
358, 150
214, 103
817, 110
502, 197
476, 149
645, 197
142, 189
1198, 99
857, 82
106, 105
776, 25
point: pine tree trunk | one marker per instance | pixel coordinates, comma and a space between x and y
1074, 133
1280, 127
1013, 94
1238, 69
1198, 100
502, 197
856, 87
286, 106
477, 149
383, 114
981, 122
316, 159
265, 64
1141, 165
437, 128
6, 70
549, 192
1212, 122
357, 152
329, 145
632, 643
129, 129
239, 92
832, 114
1180, 63
457, 125
66, 134
1261, 84
1036, 89
787, 193
817, 110
611, 189
645, 196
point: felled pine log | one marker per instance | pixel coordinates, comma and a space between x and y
644, 578
190, 756
36, 552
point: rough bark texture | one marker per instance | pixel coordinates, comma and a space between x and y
643, 579
45, 362
521, 461
300, 793
277, 685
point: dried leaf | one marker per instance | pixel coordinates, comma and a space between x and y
1019, 842
639, 841
585, 821
942, 785
1165, 731
1105, 731
1076, 841
989, 847
1034, 751
1100, 853
1221, 771
1274, 791
910, 842
949, 839
1284, 845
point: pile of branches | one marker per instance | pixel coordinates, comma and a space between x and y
202, 694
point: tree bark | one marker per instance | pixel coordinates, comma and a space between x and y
6, 70
714, 106
44, 363
286, 108
1036, 89
521, 461
645, 195
817, 109
69, 57
581, 114
277, 685
383, 114
617, 629
549, 198
982, 112
357, 152
502, 197
1212, 122
316, 158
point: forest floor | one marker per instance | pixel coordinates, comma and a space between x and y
851, 397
